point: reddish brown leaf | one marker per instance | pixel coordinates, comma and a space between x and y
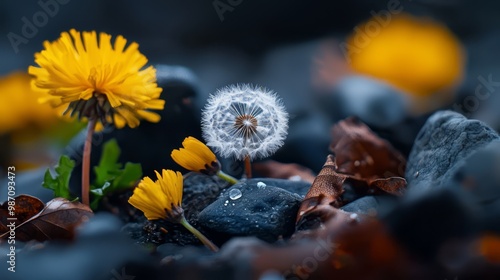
325, 190
392, 185
274, 169
361, 153
57, 220
24, 207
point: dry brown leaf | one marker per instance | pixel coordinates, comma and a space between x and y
25, 207
363, 154
274, 169
57, 220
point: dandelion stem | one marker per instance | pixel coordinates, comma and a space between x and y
86, 161
248, 167
198, 234
227, 177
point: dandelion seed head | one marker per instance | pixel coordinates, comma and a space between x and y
241, 120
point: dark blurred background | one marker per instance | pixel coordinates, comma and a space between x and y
292, 47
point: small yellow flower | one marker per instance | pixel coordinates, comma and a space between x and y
196, 156
95, 79
160, 199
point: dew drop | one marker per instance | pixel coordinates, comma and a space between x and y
261, 185
235, 194
295, 178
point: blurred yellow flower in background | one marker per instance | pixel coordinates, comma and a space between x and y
416, 55
19, 107
91, 78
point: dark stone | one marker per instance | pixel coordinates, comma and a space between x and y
307, 141
441, 148
373, 205
253, 208
372, 101
423, 223
479, 177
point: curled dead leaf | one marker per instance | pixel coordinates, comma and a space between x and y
363, 154
56, 220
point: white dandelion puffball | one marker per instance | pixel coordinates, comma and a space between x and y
242, 120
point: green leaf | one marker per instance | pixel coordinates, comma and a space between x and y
110, 176
60, 183
130, 174
108, 167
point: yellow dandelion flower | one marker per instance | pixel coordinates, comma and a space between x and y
94, 79
160, 199
196, 156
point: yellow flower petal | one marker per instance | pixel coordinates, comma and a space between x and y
85, 66
158, 198
194, 156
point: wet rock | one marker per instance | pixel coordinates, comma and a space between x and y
253, 208
479, 177
441, 148
366, 205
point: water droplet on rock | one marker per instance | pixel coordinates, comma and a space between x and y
295, 178
235, 194
261, 185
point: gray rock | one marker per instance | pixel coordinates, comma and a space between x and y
441, 148
253, 208
374, 102
371, 205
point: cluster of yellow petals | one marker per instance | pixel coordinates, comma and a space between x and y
195, 156
158, 199
80, 66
